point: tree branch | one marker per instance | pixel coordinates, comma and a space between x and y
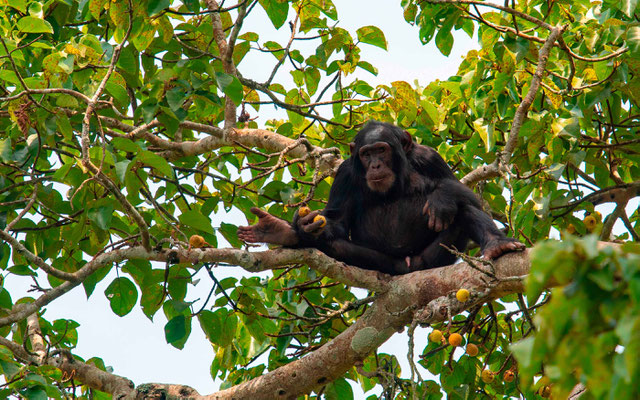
502, 161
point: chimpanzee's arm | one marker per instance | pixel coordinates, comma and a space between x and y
445, 193
469, 222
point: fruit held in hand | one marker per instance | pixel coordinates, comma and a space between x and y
435, 336
488, 376
455, 339
304, 211
472, 350
462, 295
196, 241
320, 218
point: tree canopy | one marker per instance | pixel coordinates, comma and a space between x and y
127, 126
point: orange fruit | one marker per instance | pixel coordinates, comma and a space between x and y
508, 376
320, 218
455, 339
197, 241
472, 350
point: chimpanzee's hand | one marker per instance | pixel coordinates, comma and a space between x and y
439, 213
309, 222
269, 229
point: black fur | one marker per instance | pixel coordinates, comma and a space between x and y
388, 231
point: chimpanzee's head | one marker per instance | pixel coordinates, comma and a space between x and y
380, 154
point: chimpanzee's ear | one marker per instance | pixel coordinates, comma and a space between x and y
352, 147
407, 142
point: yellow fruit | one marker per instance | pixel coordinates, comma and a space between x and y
197, 241
571, 229
598, 216
472, 350
509, 376
455, 339
435, 336
462, 295
304, 211
488, 376
320, 218
590, 222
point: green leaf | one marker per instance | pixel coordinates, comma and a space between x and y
151, 300
155, 6
444, 41
231, 86
629, 7
372, 35
20, 5
175, 330
6, 150
339, 389
101, 216
5, 299
311, 79
175, 98
211, 325
125, 144
156, 162
568, 127
118, 92
96, 7
225, 329
633, 39
34, 393
122, 295
229, 233
196, 220
485, 131
31, 24
276, 10
9, 76
368, 67
121, 169
148, 109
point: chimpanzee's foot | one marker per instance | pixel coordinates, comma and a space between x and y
497, 247
269, 229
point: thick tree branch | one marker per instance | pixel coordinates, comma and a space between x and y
425, 295
258, 138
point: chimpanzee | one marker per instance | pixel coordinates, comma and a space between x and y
391, 206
